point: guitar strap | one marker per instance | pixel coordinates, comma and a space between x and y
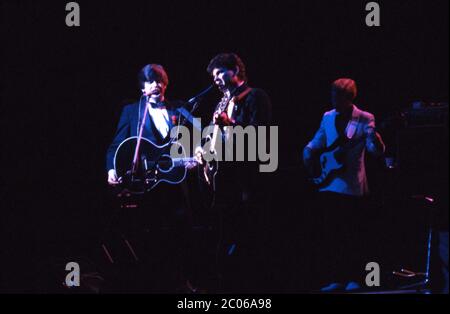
238, 98
235, 100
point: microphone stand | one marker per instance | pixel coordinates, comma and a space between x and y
138, 144
196, 99
194, 102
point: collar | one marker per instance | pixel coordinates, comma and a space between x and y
348, 113
238, 90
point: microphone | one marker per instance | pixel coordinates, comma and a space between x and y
195, 99
145, 96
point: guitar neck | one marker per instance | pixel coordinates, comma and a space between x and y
181, 162
214, 139
222, 107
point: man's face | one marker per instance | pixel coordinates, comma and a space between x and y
339, 100
154, 89
223, 78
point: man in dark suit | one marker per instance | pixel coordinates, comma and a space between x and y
166, 206
153, 81
239, 187
245, 106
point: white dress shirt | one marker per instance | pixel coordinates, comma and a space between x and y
160, 118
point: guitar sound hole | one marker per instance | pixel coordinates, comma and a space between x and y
165, 163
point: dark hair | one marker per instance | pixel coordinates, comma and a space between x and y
229, 61
152, 72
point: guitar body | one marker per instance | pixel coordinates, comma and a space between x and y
210, 171
211, 166
331, 161
154, 165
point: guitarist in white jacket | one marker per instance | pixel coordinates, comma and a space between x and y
341, 206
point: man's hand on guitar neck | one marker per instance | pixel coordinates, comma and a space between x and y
222, 119
191, 164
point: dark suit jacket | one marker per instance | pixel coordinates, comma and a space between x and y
253, 109
128, 126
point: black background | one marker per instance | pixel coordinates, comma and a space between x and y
63, 89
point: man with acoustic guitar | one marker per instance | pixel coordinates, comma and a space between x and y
345, 134
151, 120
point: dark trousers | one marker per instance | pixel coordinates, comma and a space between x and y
242, 230
342, 238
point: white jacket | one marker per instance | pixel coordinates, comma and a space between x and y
353, 180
